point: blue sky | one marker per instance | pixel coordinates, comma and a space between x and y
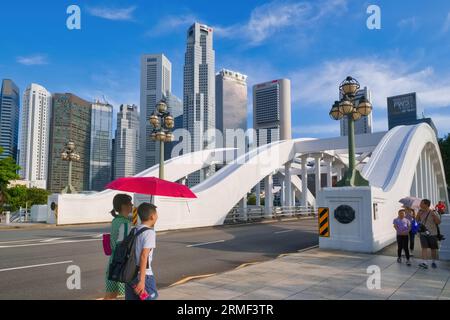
313, 43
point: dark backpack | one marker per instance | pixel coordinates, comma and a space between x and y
123, 267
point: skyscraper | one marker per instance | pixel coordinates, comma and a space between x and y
402, 110
71, 121
231, 103
101, 146
126, 142
199, 92
9, 119
272, 111
35, 135
175, 107
363, 125
156, 83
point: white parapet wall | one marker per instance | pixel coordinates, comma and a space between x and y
444, 251
371, 228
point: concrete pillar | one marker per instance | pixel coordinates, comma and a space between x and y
329, 161
427, 175
282, 202
317, 158
339, 172
422, 175
183, 180
243, 209
268, 201
287, 185
258, 194
304, 202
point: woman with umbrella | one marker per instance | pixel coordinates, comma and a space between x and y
120, 227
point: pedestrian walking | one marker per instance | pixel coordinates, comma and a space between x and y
428, 229
403, 227
410, 214
120, 227
143, 287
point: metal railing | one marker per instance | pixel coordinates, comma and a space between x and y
255, 214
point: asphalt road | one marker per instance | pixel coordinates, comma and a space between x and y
34, 263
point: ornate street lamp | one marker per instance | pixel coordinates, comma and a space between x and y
162, 123
347, 107
70, 155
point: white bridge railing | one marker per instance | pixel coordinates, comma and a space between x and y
254, 214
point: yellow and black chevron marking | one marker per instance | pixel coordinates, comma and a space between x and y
135, 216
324, 222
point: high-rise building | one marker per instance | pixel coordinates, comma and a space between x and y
9, 119
35, 135
126, 143
402, 110
70, 121
363, 125
175, 107
101, 146
156, 83
199, 93
272, 111
231, 103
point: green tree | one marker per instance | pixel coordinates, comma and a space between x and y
444, 145
23, 197
8, 172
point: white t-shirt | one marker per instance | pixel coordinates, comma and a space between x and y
146, 240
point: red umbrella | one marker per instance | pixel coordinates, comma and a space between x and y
151, 186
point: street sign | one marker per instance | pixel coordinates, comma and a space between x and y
324, 222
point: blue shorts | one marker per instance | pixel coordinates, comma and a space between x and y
150, 287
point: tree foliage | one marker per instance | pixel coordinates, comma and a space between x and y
444, 145
22, 197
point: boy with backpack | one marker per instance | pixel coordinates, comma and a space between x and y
132, 259
143, 287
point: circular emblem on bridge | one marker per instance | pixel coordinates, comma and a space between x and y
344, 214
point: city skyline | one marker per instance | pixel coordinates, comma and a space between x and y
245, 44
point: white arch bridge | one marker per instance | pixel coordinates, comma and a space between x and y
401, 162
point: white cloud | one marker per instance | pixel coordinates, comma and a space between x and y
446, 26
316, 130
408, 23
442, 123
116, 14
318, 86
170, 23
270, 18
33, 60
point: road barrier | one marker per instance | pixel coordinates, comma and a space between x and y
255, 214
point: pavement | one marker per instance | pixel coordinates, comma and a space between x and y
317, 274
34, 261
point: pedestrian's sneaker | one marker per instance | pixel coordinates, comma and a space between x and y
433, 265
408, 263
399, 260
423, 265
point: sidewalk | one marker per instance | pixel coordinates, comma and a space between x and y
319, 274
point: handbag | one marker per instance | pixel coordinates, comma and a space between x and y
422, 228
107, 244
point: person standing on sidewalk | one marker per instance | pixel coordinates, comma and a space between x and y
403, 227
410, 214
143, 287
120, 227
429, 221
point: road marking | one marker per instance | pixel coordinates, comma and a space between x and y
187, 279
247, 264
204, 244
284, 231
51, 239
47, 243
15, 241
36, 266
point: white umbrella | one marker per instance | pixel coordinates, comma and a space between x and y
411, 202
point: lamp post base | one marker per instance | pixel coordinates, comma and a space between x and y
352, 178
68, 190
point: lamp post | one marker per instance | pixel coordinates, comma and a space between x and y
162, 123
347, 107
70, 155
